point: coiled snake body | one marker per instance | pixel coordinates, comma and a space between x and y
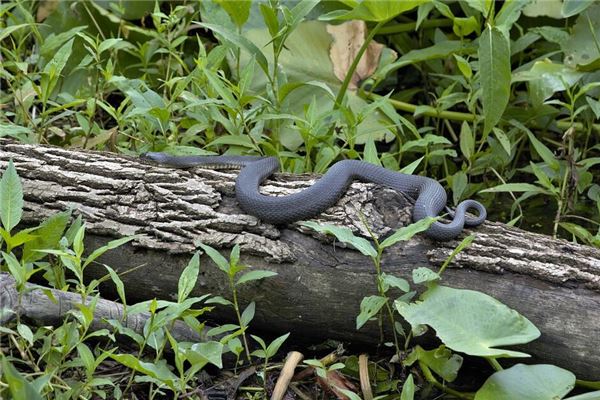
429, 194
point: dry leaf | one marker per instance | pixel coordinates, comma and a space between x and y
347, 40
45, 8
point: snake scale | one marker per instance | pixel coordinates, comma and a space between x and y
429, 194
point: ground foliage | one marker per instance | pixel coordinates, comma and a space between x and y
496, 100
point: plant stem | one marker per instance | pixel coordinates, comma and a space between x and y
460, 116
411, 26
350, 72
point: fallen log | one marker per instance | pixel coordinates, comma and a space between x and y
319, 286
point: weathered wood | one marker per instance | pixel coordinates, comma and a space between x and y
554, 283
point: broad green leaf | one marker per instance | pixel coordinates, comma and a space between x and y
483, 6
464, 26
582, 50
216, 257
408, 389
238, 10
344, 235
441, 360
424, 274
26, 333
158, 370
459, 185
510, 13
255, 275
574, 7
369, 307
546, 78
394, 281
494, 75
242, 42
408, 232
527, 382
188, 278
374, 10
470, 322
516, 187
11, 198
48, 235
20, 388
204, 353
586, 396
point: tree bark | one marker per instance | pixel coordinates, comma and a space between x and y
319, 286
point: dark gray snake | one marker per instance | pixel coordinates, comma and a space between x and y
429, 194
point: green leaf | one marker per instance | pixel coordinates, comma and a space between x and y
483, 6
238, 10
424, 274
248, 314
19, 387
441, 360
494, 74
255, 275
158, 370
374, 10
369, 307
370, 153
408, 389
544, 152
114, 277
470, 322
410, 168
459, 185
345, 235
581, 50
527, 382
408, 232
240, 41
467, 141
48, 235
463, 66
394, 281
11, 198
188, 278
586, 396
15, 268
113, 244
574, 7
276, 344
204, 353
216, 257
504, 140
543, 178
516, 187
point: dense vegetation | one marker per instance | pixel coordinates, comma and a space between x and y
496, 100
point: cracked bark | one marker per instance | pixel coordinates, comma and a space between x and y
554, 283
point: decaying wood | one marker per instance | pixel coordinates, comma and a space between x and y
317, 292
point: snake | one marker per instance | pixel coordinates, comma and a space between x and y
428, 194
